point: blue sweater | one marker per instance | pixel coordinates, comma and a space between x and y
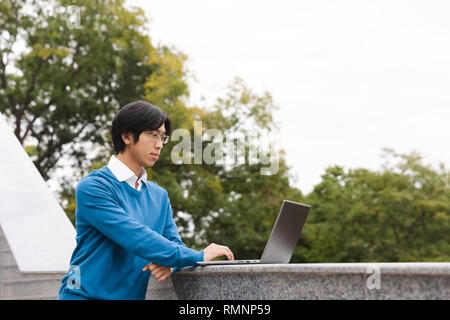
119, 231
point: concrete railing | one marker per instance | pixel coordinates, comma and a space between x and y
308, 281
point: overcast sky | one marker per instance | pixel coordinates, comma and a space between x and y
350, 77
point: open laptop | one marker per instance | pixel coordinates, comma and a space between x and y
283, 238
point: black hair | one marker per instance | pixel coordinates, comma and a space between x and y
136, 117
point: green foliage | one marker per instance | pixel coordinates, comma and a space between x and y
216, 203
400, 213
63, 88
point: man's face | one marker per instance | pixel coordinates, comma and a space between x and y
146, 151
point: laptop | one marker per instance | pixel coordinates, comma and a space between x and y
283, 238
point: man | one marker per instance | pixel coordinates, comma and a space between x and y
125, 223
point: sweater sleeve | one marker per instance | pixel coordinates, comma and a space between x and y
98, 208
171, 230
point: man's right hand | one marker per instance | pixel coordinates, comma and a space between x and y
214, 250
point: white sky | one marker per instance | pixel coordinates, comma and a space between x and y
350, 77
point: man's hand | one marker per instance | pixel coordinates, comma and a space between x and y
160, 273
214, 250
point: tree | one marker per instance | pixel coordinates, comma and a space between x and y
62, 89
212, 202
400, 213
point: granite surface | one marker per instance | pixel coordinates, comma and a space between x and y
308, 281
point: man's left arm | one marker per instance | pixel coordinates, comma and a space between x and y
170, 229
170, 232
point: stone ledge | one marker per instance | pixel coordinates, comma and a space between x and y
431, 268
312, 281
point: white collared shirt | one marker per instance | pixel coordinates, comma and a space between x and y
123, 173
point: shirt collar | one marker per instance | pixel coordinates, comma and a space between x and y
123, 173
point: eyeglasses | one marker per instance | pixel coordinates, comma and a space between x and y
164, 139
